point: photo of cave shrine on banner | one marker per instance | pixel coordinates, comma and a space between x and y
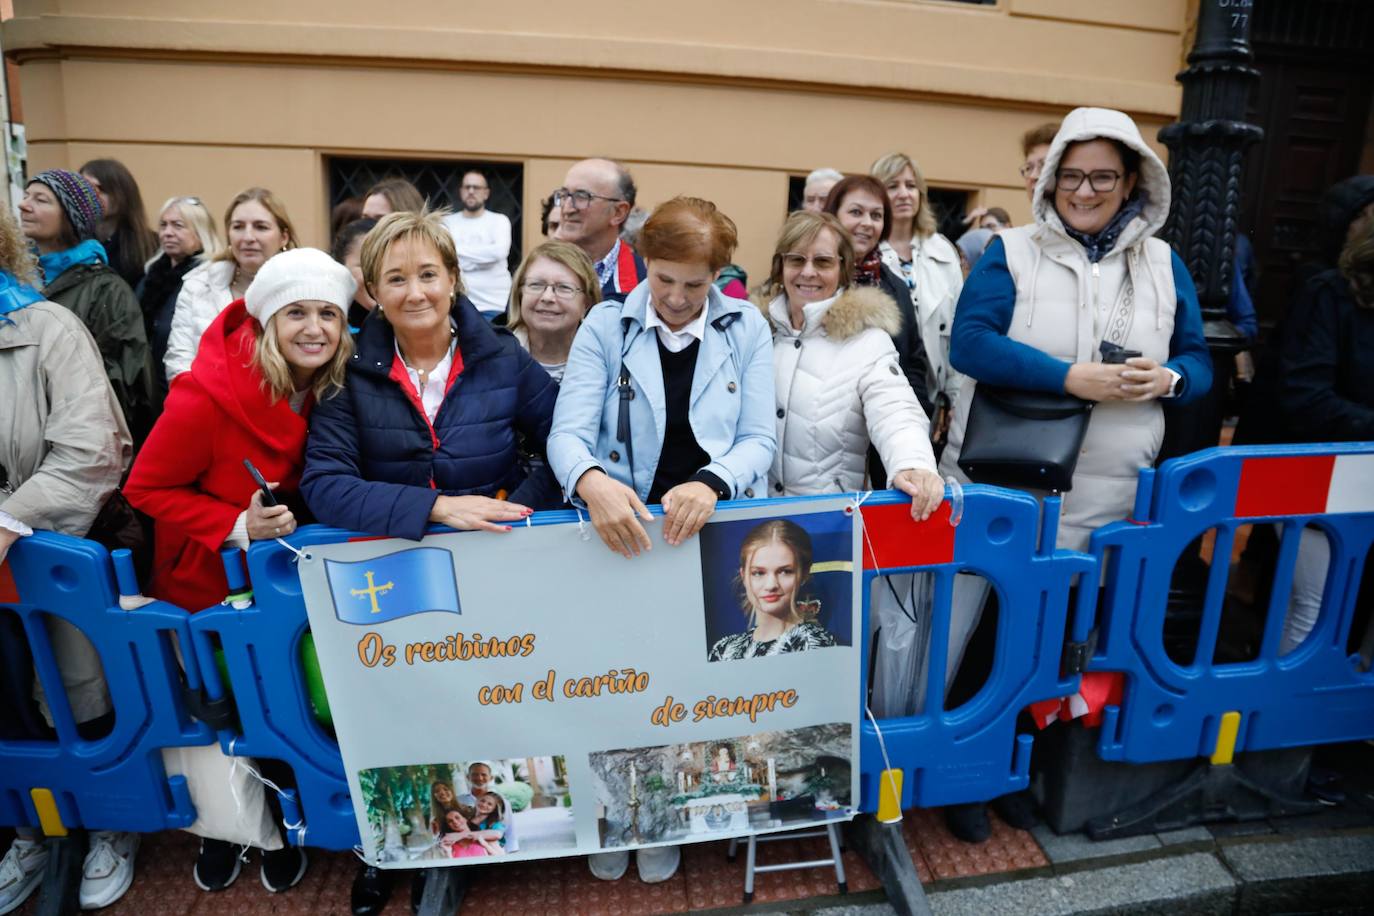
476, 809
726, 786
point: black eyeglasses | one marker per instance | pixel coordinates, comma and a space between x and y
1101, 180
580, 199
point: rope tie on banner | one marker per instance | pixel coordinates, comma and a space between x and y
888, 773
887, 761
235, 761
582, 531
300, 554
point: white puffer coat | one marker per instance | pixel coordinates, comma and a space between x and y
839, 387
204, 294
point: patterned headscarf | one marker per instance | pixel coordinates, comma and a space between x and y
78, 200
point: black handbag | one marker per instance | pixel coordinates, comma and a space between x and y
1023, 439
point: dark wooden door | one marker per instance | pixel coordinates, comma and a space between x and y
1313, 101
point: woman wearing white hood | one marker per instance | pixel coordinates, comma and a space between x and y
1046, 300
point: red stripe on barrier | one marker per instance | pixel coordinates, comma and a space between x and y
1284, 486
369, 537
892, 539
9, 592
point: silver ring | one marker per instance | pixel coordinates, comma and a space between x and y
279, 529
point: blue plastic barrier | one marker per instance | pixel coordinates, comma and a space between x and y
116, 781
973, 752
1314, 694
261, 644
1169, 710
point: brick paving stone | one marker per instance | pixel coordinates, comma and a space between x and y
1007, 849
564, 886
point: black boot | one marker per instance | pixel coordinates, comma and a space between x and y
1016, 809
969, 822
371, 891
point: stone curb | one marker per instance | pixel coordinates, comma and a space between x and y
1307, 874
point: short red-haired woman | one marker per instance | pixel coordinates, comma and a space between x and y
694, 423
665, 441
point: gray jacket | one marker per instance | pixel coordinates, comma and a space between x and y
63, 441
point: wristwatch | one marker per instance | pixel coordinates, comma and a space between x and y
1177, 387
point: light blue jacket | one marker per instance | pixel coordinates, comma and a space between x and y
732, 403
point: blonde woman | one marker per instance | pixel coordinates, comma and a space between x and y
426, 431
257, 226
929, 263
553, 289
186, 235
774, 565
263, 364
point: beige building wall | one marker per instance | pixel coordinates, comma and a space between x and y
724, 99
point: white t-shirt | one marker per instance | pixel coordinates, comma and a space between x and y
483, 244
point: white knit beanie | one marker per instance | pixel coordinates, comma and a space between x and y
297, 275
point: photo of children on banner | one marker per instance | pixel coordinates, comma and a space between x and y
433, 814
774, 586
708, 789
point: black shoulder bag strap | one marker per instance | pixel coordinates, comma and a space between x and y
627, 394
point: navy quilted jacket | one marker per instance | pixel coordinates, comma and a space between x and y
372, 463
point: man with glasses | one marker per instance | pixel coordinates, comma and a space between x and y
596, 197
482, 239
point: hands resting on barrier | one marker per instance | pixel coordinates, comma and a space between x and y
7, 537
925, 488
618, 513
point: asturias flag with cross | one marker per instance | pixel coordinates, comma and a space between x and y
394, 585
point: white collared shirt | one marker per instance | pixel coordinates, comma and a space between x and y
432, 394
677, 341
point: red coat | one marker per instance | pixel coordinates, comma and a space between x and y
189, 476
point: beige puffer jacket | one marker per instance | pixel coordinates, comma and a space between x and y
839, 387
64, 446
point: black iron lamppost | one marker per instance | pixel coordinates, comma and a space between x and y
1206, 157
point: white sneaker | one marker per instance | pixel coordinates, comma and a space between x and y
609, 866
657, 863
20, 872
109, 868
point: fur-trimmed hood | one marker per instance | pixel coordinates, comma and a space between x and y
842, 316
1153, 185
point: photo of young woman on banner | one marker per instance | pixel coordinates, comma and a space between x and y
775, 586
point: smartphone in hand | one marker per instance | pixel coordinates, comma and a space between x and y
1115, 355
267, 498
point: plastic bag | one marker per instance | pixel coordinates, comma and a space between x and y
231, 804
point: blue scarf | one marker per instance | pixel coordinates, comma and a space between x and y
15, 295
57, 263
1100, 245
